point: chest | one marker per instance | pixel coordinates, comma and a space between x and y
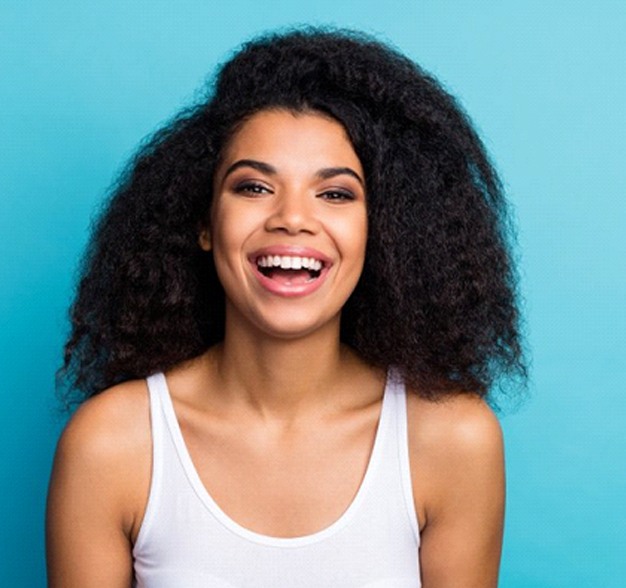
283, 482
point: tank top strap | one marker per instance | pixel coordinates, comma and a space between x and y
396, 388
157, 395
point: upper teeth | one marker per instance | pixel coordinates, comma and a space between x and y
289, 262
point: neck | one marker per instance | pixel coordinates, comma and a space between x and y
281, 378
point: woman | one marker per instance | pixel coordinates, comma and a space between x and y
273, 273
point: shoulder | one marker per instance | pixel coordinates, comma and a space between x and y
110, 423
456, 452
462, 423
104, 453
99, 488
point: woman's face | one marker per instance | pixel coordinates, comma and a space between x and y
288, 225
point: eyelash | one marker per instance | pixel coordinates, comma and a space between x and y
337, 195
252, 188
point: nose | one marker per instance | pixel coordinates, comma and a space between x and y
293, 213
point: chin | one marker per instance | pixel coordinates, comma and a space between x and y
288, 327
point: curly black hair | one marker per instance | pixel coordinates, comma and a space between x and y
437, 297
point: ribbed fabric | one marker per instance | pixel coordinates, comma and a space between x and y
187, 541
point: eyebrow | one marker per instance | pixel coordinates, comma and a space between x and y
331, 172
325, 173
265, 168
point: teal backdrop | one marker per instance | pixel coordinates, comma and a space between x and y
82, 82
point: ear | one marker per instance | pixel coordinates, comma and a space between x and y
204, 239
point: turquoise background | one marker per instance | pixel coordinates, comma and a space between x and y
81, 82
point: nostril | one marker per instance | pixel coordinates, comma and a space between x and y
292, 218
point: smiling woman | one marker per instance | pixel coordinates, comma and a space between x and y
274, 209
289, 318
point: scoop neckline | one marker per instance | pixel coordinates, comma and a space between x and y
229, 523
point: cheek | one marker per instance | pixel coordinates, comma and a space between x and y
231, 229
225, 240
354, 232
226, 229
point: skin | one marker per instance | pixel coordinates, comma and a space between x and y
244, 407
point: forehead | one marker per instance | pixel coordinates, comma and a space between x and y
308, 138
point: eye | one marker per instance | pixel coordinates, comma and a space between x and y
337, 195
252, 188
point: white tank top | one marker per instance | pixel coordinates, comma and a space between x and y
187, 541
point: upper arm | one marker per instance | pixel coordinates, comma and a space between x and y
100, 472
458, 473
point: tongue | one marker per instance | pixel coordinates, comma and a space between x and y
290, 277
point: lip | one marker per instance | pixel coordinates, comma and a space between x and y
285, 290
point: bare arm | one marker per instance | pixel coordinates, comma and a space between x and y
98, 484
458, 473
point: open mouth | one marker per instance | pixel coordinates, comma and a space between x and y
290, 269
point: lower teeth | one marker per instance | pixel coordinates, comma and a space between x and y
268, 271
